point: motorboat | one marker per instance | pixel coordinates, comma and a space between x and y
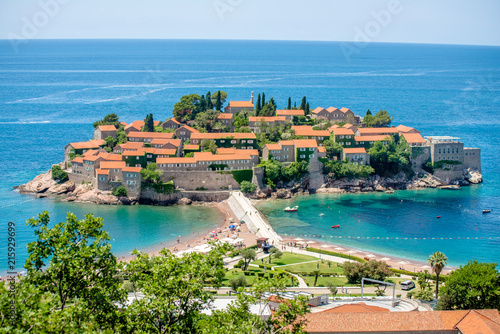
289, 209
336, 226
486, 211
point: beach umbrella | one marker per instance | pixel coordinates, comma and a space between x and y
426, 267
302, 242
403, 262
339, 248
298, 239
325, 245
371, 255
352, 252
232, 226
311, 242
385, 259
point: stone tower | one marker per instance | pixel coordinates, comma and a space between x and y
251, 98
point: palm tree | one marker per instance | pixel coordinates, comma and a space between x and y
437, 261
316, 274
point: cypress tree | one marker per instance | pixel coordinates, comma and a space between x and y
209, 103
306, 109
149, 124
258, 105
203, 104
218, 102
294, 105
263, 99
289, 103
303, 104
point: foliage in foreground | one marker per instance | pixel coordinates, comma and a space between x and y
80, 289
247, 187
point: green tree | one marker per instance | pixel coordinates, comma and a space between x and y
381, 119
247, 187
258, 106
209, 104
289, 106
207, 120
110, 119
437, 261
274, 252
333, 149
303, 103
390, 158
218, 101
173, 288
208, 145
238, 282
186, 108
151, 175
121, 191
473, 286
149, 124
248, 255
373, 269
332, 288
316, 275
58, 174
111, 142
368, 119
73, 262
263, 102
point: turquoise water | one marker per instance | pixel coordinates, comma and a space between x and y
403, 224
52, 91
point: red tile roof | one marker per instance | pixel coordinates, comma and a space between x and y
172, 120
286, 143
112, 164
165, 151
273, 146
225, 116
355, 308
183, 160
78, 160
135, 124
332, 109
321, 149
241, 104
88, 144
138, 153
344, 110
373, 138
307, 143
290, 113
109, 156
266, 118
160, 141
343, 132
90, 152
375, 131
132, 169
404, 129
152, 135
301, 127
191, 147
132, 145
107, 127
208, 156
92, 158
414, 138
354, 150
312, 133
188, 128
235, 135
102, 171
318, 110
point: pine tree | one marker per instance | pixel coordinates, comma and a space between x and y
218, 102
258, 106
202, 106
263, 99
209, 103
306, 109
289, 103
149, 124
303, 104
295, 105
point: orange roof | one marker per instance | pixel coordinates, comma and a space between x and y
160, 141
172, 120
344, 110
112, 164
348, 126
354, 150
109, 156
321, 149
372, 138
343, 132
413, 138
90, 152
191, 147
332, 109
92, 158
102, 171
151, 135
107, 127
131, 145
375, 131
135, 124
132, 169
266, 118
334, 126
305, 143
156, 123
88, 144
286, 143
165, 151
187, 127
467, 322
404, 128
235, 135
318, 110
225, 116
241, 104
290, 112
78, 160
355, 308
123, 123
183, 160
226, 150
138, 153
301, 127
246, 151
273, 146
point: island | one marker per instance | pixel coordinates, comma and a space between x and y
206, 150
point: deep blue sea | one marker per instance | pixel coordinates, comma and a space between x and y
51, 91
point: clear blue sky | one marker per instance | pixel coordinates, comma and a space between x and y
412, 21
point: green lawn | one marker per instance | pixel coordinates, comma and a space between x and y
235, 273
309, 267
287, 258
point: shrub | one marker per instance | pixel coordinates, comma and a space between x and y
58, 174
345, 256
242, 175
236, 283
240, 264
121, 191
373, 269
247, 187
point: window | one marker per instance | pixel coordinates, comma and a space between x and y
348, 137
302, 149
243, 141
233, 141
286, 156
186, 165
193, 165
102, 178
285, 149
170, 165
136, 158
250, 141
311, 156
202, 162
195, 141
302, 156
223, 141
341, 137
150, 156
348, 143
439, 151
137, 165
182, 132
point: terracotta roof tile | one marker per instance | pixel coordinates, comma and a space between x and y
355, 308
131, 145
344, 110
152, 135
161, 141
273, 146
107, 127
188, 128
375, 131
90, 152
318, 110
413, 138
191, 147
102, 171
135, 124
132, 169
286, 142
290, 113
332, 109
403, 128
225, 116
241, 104
235, 135
307, 143
78, 160
112, 164
172, 120
373, 138
342, 132
312, 133
110, 156
354, 150
182, 160
88, 144
266, 118
165, 151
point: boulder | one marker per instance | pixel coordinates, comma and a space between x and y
473, 176
283, 193
39, 184
184, 201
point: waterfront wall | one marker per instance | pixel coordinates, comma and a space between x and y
77, 178
149, 196
472, 158
454, 173
191, 180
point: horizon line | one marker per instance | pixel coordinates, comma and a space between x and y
246, 39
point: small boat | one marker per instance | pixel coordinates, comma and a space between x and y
336, 226
438, 217
486, 211
389, 192
321, 214
289, 209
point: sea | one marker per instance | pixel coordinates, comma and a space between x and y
51, 91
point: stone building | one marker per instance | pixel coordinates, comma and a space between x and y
104, 131
356, 155
255, 123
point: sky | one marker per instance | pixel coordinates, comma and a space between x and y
400, 21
